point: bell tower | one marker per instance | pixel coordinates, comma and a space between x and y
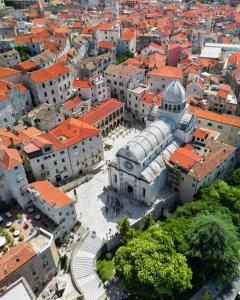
115, 10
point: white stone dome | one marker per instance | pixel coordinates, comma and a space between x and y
174, 93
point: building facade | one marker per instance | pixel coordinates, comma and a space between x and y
140, 169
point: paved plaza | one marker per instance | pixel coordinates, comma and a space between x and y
91, 197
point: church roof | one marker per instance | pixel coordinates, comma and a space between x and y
158, 164
149, 139
174, 93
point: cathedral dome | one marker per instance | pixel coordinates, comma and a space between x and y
154, 113
174, 93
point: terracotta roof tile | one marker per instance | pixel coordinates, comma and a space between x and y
167, 71
9, 158
215, 117
15, 258
72, 131
54, 71
49, 193
70, 104
81, 84
101, 111
6, 72
184, 158
218, 153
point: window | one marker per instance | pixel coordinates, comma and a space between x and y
63, 160
45, 94
75, 147
144, 192
115, 178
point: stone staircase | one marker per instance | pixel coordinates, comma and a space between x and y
83, 266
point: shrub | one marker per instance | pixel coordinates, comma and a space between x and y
5, 249
19, 216
12, 228
21, 237
109, 256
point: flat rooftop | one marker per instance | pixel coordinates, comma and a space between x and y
18, 290
139, 89
40, 241
211, 52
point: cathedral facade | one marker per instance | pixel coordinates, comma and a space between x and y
140, 168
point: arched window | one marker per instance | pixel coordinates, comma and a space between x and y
170, 107
166, 106
179, 106
175, 107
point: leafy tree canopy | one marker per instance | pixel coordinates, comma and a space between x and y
121, 57
213, 246
151, 267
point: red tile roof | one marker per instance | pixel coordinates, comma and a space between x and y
16, 257
184, 158
218, 153
6, 72
201, 133
27, 65
6, 86
9, 158
105, 45
54, 71
50, 194
70, 104
81, 84
101, 111
215, 117
72, 131
167, 72
127, 34
7, 138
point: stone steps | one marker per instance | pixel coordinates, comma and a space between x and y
84, 266
93, 290
91, 244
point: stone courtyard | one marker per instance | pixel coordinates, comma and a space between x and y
92, 196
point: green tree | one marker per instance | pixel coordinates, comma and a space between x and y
151, 267
177, 229
206, 296
126, 231
235, 178
121, 57
191, 210
23, 52
213, 247
224, 194
148, 221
